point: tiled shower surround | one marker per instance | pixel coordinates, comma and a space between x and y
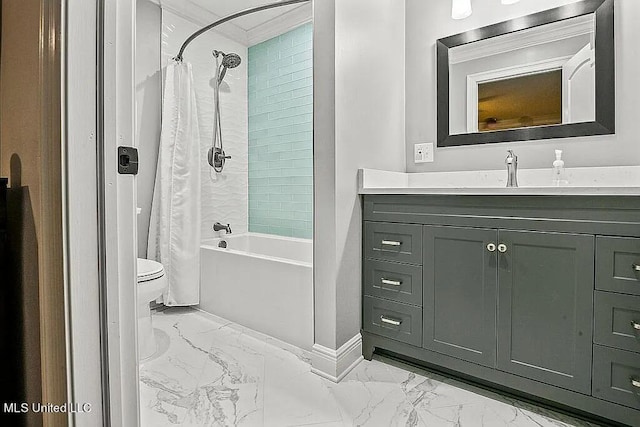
224, 195
281, 135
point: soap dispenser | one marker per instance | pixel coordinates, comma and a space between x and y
559, 174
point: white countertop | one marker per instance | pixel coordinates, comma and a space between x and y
592, 181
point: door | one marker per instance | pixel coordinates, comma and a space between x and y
579, 87
545, 307
459, 294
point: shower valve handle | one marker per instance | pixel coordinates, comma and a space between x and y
220, 155
216, 158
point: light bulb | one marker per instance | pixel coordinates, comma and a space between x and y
510, 1
460, 9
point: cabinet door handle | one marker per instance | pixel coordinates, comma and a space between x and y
390, 321
391, 243
491, 247
502, 248
635, 325
635, 382
391, 282
635, 266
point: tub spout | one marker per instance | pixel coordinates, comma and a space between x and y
218, 227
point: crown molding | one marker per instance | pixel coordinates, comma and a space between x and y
541, 35
202, 17
280, 24
274, 27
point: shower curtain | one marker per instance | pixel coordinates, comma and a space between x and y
174, 229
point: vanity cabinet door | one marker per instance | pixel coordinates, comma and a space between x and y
459, 292
545, 307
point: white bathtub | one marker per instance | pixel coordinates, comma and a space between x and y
262, 282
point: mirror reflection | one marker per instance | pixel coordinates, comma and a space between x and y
541, 76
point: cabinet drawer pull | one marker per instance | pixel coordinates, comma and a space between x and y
635, 266
635, 382
391, 282
491, 247
502, 248
635, 325
391, 243
393, 322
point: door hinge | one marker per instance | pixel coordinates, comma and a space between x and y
127, 160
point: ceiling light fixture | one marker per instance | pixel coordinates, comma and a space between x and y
461, 9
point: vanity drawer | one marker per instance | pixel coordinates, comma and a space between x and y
617, 320
394, 320
616, 376
618, 264
393, 242
397, 282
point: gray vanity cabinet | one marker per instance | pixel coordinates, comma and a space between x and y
538, 296
459, 279
545, 307
539, 284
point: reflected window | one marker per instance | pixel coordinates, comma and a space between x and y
521, 101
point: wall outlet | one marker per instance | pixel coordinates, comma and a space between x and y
423, 153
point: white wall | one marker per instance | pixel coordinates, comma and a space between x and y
370, 113
427, 21
358, 122
225, 195
148, 109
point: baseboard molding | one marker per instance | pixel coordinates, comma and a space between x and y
334, 365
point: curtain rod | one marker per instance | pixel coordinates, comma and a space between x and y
233, 16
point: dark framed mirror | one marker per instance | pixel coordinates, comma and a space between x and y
541, 76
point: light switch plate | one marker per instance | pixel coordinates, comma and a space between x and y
423, 152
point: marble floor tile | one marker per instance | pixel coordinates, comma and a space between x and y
299, 399
226, 405
216, 373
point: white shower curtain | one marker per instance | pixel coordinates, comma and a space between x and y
174, 229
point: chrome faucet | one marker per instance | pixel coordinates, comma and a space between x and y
218, 227
512, 169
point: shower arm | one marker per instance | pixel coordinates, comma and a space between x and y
229, 18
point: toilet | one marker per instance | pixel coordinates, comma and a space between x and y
151, 284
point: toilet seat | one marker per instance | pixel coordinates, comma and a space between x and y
149, 270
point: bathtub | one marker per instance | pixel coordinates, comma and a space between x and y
263, 282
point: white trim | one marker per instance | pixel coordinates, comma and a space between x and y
120, 242
280, 24
99, 245
80, 192
273, 27
544, 34
334, 365
500, 74
202, 17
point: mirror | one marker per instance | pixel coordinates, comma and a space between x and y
546, 75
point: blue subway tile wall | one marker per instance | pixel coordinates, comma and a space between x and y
281, 135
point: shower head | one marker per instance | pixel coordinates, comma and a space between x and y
231, 60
